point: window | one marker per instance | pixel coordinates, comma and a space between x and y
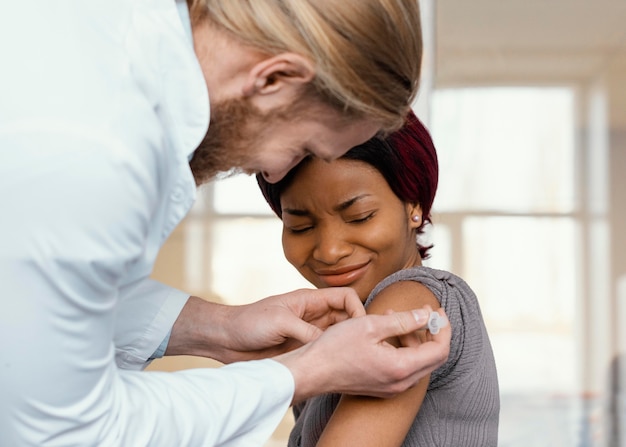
243, 239
508, 210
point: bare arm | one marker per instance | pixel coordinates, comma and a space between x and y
369, 421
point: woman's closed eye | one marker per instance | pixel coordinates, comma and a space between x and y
361, 219
300, 229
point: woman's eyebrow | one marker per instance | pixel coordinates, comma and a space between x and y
296, 212
341, 207
348, 203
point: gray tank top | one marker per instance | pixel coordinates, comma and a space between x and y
462, 405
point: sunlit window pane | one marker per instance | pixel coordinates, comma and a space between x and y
441, 253
505, 149
524, 274
239, 194
247, 261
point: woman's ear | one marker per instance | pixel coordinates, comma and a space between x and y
282, 71
414, 211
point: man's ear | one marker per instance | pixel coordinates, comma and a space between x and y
277, 72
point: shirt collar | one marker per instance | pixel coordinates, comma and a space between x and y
185, 20
183, 13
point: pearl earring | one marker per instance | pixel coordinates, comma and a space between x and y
415, 218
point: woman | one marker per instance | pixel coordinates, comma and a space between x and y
356, 222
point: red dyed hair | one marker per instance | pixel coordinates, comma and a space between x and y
406, 158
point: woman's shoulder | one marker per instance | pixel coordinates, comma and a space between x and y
437, 281
400, 294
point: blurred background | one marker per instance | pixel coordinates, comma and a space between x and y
526, 102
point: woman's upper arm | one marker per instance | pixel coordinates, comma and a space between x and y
367, 421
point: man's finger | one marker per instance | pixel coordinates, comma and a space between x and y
311, 304
401, 323
426, 357
303, 332
346, 299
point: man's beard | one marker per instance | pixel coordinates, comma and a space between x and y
229, 144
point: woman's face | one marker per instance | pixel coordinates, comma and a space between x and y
344, 226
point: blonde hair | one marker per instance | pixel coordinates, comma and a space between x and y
367, 53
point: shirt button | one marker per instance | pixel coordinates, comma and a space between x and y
177, 195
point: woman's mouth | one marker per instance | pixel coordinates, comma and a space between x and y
342, 276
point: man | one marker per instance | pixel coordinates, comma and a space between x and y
103, 136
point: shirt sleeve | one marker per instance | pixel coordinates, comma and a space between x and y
238, 405
77, 212
145, 316
160, 352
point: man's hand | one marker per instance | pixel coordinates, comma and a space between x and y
261, 329
353, 357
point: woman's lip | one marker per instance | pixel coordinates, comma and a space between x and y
343, 276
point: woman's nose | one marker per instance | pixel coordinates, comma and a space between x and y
331, 247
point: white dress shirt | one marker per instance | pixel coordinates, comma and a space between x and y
101, 104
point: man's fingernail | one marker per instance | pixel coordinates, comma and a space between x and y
421, 315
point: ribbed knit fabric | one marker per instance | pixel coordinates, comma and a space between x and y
462, 405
